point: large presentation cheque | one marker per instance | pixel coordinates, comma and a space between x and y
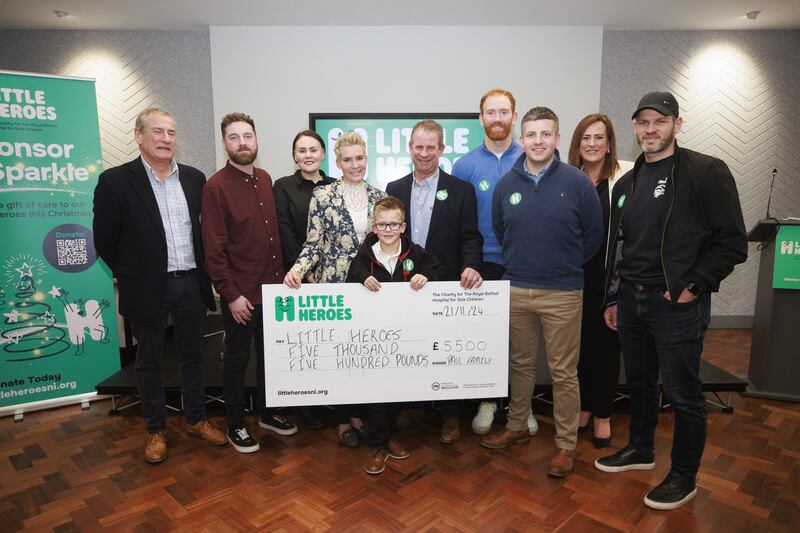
340, 343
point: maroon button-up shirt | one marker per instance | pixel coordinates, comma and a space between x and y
240, 233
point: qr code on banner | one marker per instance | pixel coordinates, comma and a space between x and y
71, 251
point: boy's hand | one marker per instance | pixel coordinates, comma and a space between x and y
418, 281
292, 279
372, 284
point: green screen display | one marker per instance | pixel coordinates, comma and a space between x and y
387, 137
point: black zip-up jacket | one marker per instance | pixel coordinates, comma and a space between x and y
703, 235
413, 260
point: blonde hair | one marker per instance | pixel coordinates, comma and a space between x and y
348, 138
139, 125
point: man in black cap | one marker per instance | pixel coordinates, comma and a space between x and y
680, 232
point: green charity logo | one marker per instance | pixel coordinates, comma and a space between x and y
441, 195
515, 198
408, 265
483, 185
284, 308
621, 201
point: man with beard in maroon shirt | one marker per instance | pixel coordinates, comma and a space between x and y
243, 251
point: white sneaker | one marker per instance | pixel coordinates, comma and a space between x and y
482, 422
533, 425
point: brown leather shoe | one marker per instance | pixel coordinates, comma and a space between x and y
501, 439
561, 464
451, 430
396, 450
155, 450
208, 432
376, 461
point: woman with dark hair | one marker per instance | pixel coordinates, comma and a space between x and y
292, 196
594, 150
338, 222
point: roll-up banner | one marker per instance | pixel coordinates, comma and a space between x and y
58, 333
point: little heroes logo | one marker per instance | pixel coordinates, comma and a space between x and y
311, 308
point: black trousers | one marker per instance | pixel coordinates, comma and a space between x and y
182, 301
381, 426
598, 367
238, 338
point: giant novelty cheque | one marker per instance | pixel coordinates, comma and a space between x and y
330, 344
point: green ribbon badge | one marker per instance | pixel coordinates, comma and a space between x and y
441, 195
621, 201
408, 265
483, 185
515, 198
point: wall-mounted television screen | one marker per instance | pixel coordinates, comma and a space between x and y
387, 136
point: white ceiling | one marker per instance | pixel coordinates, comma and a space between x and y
200, 14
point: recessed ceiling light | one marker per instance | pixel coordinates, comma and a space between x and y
753, 15
61, 14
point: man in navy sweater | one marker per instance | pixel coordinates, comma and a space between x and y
547, 217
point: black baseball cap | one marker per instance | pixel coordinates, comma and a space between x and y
662, 102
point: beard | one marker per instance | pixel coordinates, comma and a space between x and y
666, 142
498, 134
243, 157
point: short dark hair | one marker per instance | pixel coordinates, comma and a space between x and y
389, 203
230, 118
540, 113
307, 133
499, 92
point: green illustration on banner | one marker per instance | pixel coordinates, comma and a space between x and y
786, 274
387, 140
58, 333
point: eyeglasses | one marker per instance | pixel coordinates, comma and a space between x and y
383, 226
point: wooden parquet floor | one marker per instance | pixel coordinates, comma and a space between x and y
72, 470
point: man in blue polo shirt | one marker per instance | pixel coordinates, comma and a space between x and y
482, 168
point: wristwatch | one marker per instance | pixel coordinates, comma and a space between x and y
694, 288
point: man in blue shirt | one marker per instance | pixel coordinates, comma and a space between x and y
482, 168
547, 218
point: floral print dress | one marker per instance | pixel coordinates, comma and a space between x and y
331, 241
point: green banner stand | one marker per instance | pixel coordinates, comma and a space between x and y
58, 326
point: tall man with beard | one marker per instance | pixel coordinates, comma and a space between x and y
678, 232
482, 168
243, 251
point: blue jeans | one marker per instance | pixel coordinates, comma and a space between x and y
659, 336
182, 300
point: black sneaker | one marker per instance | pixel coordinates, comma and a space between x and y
278, 424
242, 441
673, 492
625, 459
